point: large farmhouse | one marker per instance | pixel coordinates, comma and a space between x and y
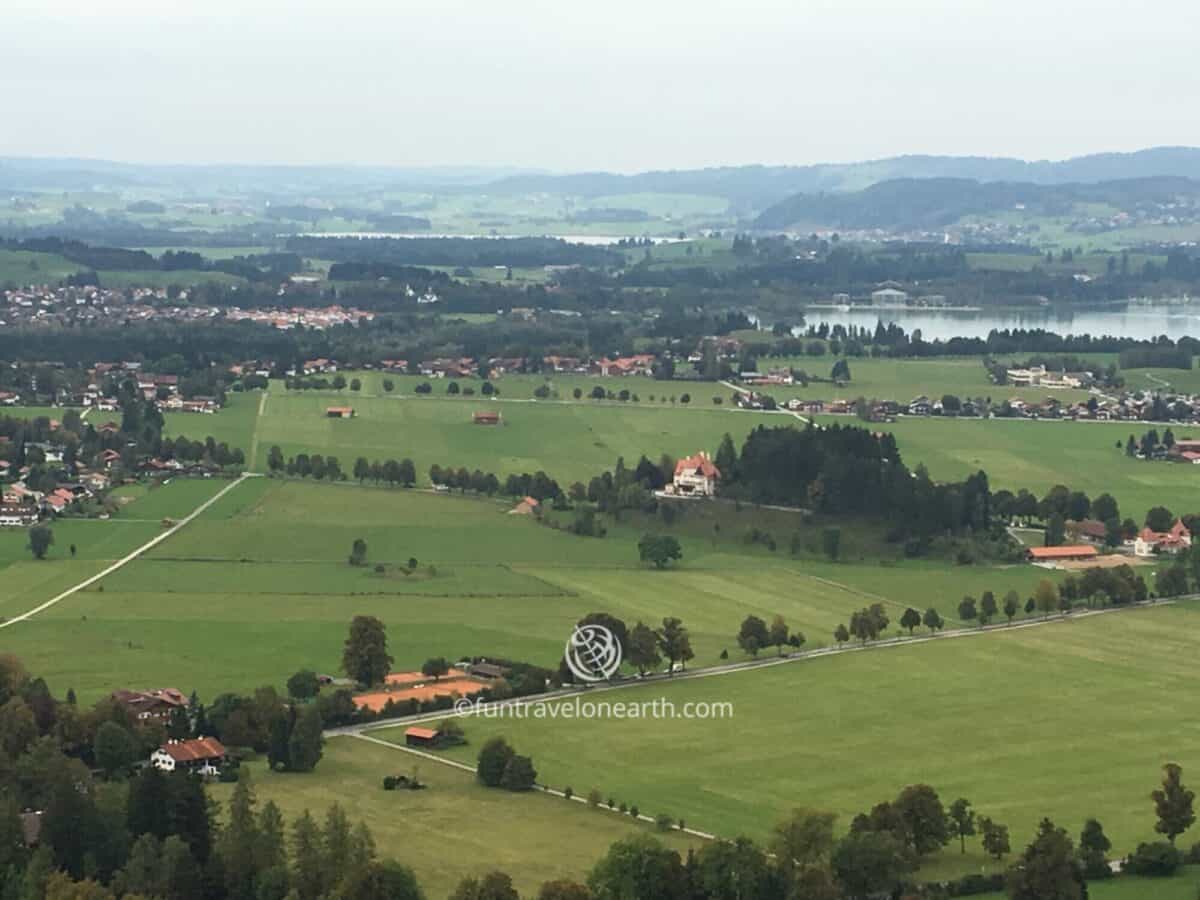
201, 756
151, 706
1148, 542
695, 476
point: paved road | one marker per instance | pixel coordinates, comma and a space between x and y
128, 558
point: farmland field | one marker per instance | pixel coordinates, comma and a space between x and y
489, 829
97, 543
904, 379
1008, 720
1038, 455
568, 441
262, 583
576, 440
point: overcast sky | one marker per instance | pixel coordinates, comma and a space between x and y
570, 85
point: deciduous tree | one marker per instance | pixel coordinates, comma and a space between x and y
1173, 803
364, 655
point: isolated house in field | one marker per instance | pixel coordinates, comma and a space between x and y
421, 737
340, 412
1148, 542
527, 507
695, 476
201, 756
486, 417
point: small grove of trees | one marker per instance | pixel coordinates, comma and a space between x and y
499, 765
867, 624
755, 635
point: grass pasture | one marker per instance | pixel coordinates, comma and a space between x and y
24, 267
574, 441
1038, 455
487, 829
1011, 720
903, 380
259, 586
27, 582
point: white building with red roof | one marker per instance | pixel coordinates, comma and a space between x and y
695, 476
202, 756
1148, 542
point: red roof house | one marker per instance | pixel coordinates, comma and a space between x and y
696, 476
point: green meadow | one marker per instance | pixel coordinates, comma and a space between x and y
27, 582
1068, 720
576, 440
570, 441
259, 586
25, 267
903, 380
455, 828
1040, 454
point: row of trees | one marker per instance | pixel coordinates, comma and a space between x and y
642, 646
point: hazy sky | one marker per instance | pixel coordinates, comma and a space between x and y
610, 84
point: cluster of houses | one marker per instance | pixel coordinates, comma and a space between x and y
1039, 376
201, 756
1127, 408
44, 305
1090, 535
21, 505
163, 390
465, 367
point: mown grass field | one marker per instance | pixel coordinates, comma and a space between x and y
259, 586
25, 582
903, 380
1067, 720
570, 441
1039, 455
575, 440
455, 828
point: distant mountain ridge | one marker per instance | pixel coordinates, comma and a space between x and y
755, 187
932, 203
749, 189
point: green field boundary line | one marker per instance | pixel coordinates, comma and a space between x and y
262, 408
858, 592
129, 557
463, 767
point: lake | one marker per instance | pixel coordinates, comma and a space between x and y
1137, 320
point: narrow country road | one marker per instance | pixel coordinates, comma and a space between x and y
129, 557
361, 732
748, 665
